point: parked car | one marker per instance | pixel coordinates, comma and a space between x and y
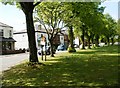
61, 47
47, 50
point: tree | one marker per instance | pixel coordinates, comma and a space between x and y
87, 13
118, 28
70, 20
27, 8
50, 14
110, 28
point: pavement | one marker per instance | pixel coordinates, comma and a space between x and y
7, 61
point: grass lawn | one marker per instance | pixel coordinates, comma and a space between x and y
94, 67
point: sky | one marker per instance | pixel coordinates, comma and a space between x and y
14, 17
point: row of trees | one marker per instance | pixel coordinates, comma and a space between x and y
82, 19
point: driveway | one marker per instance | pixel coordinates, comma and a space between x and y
7, 61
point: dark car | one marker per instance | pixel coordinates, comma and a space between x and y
61, 47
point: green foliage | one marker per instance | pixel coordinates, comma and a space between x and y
50, 14
118, 27
110, 26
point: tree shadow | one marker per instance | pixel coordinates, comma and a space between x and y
90, 69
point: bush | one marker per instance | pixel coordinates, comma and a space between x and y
70, 49
23, 50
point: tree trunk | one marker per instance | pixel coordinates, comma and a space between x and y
108, 41
112, 39
92, 39
88, 38
31, 37
97, 41
51, 52
71, 37
83, 38
89, 42
79, 43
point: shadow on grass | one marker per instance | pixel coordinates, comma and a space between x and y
71, 70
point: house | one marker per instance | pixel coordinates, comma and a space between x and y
6, 37
22, 39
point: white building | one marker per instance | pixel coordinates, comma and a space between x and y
22, 38
6, 37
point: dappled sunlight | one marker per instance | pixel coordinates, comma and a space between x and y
46, 83
65, 74
83, 68
110, 54
53, 61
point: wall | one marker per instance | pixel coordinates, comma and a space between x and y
62, 39
22, 41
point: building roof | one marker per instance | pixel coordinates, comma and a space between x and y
63, 32
5, 25
2, 39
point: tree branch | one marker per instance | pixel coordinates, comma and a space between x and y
37, 3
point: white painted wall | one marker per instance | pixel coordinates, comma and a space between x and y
6, 31
21, 41
76, 41
62, 39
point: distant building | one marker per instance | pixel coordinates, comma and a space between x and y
22, 38
6, 37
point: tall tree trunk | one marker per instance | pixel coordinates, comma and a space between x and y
88, 38
79, 43
89, 42
112, 39
92, 39
97, 40
108, 41
71, 36
52, 50
83, 38
31, 37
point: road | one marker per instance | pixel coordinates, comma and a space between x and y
7, 61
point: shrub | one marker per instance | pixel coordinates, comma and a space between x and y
70, 49
23, 50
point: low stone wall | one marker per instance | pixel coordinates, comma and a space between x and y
5, 52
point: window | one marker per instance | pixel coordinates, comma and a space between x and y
1, 33
10, 33
39, 27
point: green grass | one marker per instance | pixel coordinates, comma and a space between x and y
95, 67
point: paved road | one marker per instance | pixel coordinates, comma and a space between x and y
7, 61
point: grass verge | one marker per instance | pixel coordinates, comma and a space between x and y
94, 67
